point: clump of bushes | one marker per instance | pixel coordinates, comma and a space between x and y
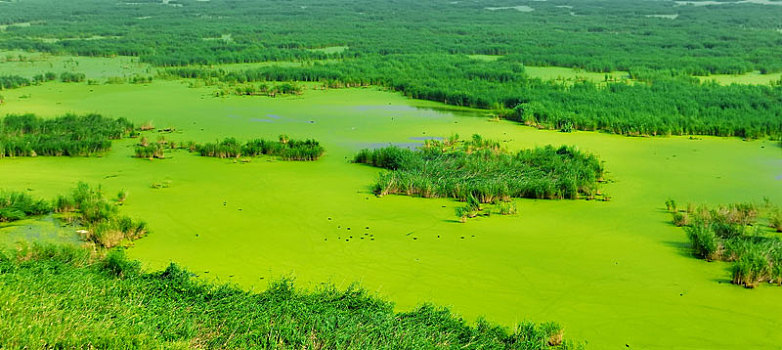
261, 90
69, 77
732, 233
153, 150
85, 206
104, 226
170, 309
70, 135
284, 148
481, 169
19, 205
13, 82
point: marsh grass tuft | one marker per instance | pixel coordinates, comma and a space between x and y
481, 169
85, 206
731, 233
284, 148
70, 135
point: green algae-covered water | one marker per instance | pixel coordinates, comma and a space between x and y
612, 273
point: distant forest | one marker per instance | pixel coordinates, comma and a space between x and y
426, 49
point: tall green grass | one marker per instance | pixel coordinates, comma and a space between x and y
67, 298
86, 207
735, 234
285, 148
70, 135
482, 169
19, 205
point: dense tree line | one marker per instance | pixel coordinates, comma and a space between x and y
70, 135
483, 171
594, 35
734, 233
129, 308
285, 148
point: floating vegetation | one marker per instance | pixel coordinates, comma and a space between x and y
480, 170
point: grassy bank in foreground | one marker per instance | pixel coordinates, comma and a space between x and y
64, 297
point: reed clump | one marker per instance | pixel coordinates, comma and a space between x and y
70, 135
482, 169
733, 233
284, 148
86, 206
19, 205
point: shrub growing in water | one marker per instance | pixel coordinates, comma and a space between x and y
284, 148
724, 234
482, 169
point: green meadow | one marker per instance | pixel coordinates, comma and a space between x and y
615, 273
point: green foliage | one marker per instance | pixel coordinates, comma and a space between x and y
481, 170
13, 82
103, 226
70, 135
109, 303
19, 205
724, 233
629, 36
660, 106
284, 148
703, 240
70, 77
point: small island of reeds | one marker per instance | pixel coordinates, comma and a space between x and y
69, 135
480, 170
745, 234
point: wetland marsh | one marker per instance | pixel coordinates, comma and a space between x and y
241, 127
619, 264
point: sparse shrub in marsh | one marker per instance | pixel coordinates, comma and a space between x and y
70, 77
151, 151
122, 195
670, 204
729, 233
147, 126
507, 208
703, 240
681, 219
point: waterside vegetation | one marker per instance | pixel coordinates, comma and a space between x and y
116, 305
744, 234
482, 171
